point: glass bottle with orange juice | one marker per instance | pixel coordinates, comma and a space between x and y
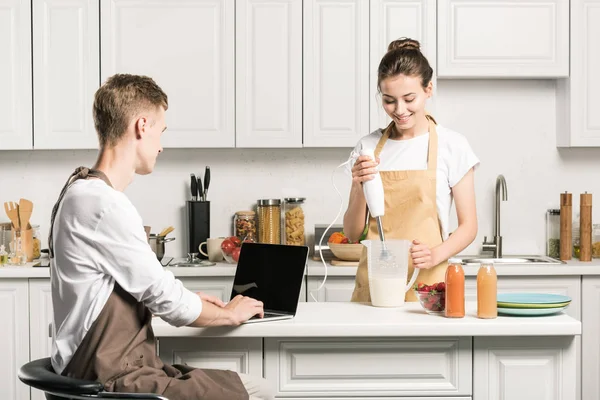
455, 291
487, 290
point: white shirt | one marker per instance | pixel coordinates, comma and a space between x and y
455, 159
99, 239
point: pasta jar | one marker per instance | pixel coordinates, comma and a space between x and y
269, 221
293, 221
245, 225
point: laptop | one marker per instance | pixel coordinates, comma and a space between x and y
273, 274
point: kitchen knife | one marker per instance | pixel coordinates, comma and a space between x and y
193, 187
199, 188
206, 181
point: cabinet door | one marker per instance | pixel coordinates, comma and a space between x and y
336, 288
40, 318
14, 337
187, 47
15, 75
524, 368
216, 286
391, 20
336, 65
240, 355
66, 57
590, 319
268, 73
578, 97
503, 38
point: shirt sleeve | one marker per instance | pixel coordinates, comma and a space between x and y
124, 254
461, 161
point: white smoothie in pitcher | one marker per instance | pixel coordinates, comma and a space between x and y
387, 291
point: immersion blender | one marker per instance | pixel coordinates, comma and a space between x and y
373, 190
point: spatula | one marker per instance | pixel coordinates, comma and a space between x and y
25, 211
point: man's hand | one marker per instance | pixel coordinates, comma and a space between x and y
243, 308
211, 299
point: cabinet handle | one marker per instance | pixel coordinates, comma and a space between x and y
50, 330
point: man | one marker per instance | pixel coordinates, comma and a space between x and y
107, 282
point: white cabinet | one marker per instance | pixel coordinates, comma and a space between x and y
373, 367
240, 355
336, 288
216, 286
187, 47
40, 318
503, 38
15, 75
524, 368
268, 73
578, 97
336, 72
14, 337
66, 73
590, 361
391, 20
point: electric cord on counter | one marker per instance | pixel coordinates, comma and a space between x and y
353, 156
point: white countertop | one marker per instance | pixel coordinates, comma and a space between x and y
316, 269
363, 320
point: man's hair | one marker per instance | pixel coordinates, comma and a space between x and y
121, 98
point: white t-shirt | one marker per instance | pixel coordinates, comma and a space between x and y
455, 159
99, 239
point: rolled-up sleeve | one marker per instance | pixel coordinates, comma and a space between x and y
125, 255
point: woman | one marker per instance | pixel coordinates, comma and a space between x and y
423, 166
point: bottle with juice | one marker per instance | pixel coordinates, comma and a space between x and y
455, 291
487, 290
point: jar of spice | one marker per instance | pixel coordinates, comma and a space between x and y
269, 221
245, 225
596, 241
36, 242
553, 233
294, 221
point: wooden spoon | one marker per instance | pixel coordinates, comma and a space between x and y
25, 211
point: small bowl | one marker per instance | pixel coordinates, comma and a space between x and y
432, 303
346, 251
227, 258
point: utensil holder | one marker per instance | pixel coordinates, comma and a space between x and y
198, 213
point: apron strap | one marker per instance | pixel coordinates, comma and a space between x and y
79, 173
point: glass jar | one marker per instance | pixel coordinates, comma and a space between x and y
576, 235
3, 244
36, 242
455, 291
245, 225
596, 241
487, 291
269, 221
293, 231
553, 233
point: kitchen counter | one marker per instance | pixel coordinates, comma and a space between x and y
363, 320
316, 268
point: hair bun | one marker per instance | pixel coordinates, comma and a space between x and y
405, 44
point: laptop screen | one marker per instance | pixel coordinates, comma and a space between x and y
271, 273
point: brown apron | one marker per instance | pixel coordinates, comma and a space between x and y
410, 213
119, 349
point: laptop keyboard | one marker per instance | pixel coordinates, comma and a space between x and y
267, 314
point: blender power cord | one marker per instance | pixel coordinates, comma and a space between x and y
352, 157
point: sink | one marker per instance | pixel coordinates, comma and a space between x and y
531, 260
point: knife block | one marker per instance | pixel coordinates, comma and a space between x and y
198, 213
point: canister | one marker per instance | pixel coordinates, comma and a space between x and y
293, 221
269, 221
553, 233
245, 225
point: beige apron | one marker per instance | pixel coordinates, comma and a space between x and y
119, 349
410, 213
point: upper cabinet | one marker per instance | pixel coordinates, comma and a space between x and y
268, 73
391, 20
66, 73
15, 75
503, 38
187, 47
336, 72
578, 97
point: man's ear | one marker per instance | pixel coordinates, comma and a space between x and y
140, 127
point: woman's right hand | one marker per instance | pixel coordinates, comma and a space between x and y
364, 169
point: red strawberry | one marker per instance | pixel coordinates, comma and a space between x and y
441, 287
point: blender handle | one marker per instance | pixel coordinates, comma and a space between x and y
412, 279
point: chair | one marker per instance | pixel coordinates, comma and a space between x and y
39, 375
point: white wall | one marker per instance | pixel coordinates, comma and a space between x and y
510, 125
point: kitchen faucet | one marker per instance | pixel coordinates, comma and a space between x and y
496, 245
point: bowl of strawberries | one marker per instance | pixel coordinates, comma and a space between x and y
432, 297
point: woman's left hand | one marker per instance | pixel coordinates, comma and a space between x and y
422, 255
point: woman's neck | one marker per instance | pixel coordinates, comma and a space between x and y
420, 128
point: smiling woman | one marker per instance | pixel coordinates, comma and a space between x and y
424, 167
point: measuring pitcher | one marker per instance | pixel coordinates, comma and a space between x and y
388, 271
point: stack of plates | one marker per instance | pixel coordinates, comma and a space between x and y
531, 303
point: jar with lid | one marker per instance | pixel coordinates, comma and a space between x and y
596, 241
36, 242
576, 236
455, 291
293, 221
553, 233
245, 225
487, 291
269, 221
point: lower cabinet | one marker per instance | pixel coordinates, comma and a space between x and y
40, 318
336, 288
239, 355
590, 320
